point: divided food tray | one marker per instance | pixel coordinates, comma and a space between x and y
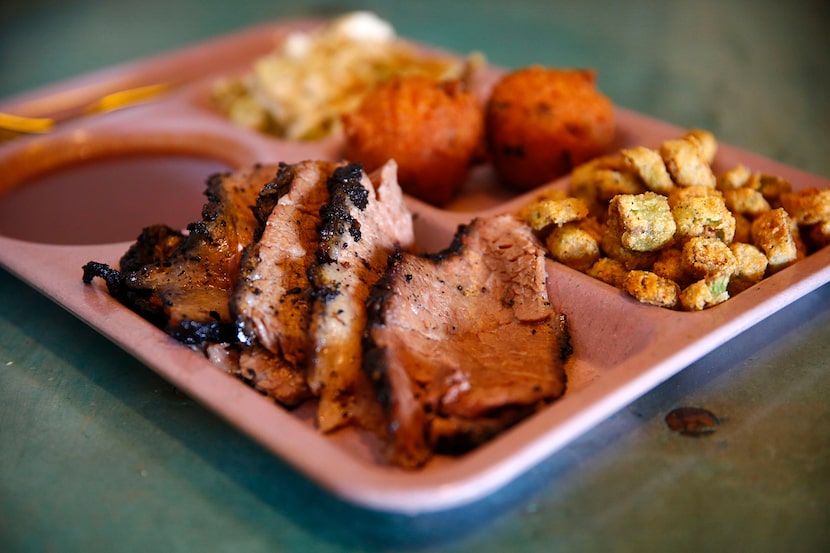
622, 348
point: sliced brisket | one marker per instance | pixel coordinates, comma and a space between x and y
182, 282
464, 343
299, 280
364, 221
272, 301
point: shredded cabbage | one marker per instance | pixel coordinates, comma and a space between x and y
300, 90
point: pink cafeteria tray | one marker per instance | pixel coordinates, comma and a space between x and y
622, 348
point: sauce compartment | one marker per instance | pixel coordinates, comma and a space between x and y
106, 181
109, 199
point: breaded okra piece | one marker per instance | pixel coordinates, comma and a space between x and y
612, 182
771, 186
751, 267
612, 246
687, 163
745, 201
807, 206
609, 271
706, 141
819, 235
743, 228
551, 194
737, 177
643, 222
776, 234
709, 258
652, 289
705, 216
543, 213
574, 245
669, 264
679, 194
585, 182
702, 294
649, 166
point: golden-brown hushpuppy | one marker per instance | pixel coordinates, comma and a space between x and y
434, 130
541, 122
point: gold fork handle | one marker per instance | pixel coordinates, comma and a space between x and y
111, 102
25, 125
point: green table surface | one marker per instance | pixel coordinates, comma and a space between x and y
98, 453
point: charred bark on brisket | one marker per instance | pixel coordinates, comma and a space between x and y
364, 221
272, 298
182, 282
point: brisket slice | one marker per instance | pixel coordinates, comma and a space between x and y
464, 343
272, 300
364, 221
183, 282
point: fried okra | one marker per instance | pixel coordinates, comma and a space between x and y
545, 212
706, 142
584, 184
650, 167
574, 245
771, 186
750, 269
681, 194
776, 234
819, 235
434, 130
612, 246
743, 229
611, 183
705, 216
669, 264
599, 180
808, 206
551, 194
702, 294
687, 162
643, 222
745, 201
708, 258
711, 261
737, 177
647, 287
542, 122
609, 271
669, 228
